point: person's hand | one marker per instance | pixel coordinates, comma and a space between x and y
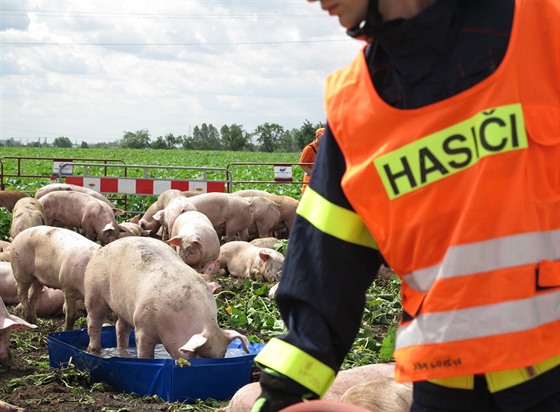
278, 392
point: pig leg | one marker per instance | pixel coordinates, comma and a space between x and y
34, 294
5, 355
123, 334
71, 313
29, 305
145, 344
97, 312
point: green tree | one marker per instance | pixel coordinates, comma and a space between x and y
234, 137
206, 137
269, 135
159, 143
84, 145
62, 141
136, 140
172, 141
306, 134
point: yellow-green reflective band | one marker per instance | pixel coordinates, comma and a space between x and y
296, 365
334, 220
501, 380
456, 382
452, 150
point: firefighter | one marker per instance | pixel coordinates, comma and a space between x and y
441, 157
308, 155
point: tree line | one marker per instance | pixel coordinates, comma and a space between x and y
268, 137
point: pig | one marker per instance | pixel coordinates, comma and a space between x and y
169, 214
50, 302
8, 198
71, 209
196, 241
381, 394
7, 324
288, 206
266, 216
5, 256
27, 212
244, 398
166, 196
54, 257
132, 228
53, 187
230, 215
147, 221
148, 287
244, 260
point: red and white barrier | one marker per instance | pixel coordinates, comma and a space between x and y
140, 186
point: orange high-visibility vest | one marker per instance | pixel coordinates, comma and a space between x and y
463, 199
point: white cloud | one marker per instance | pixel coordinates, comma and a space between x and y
90, 70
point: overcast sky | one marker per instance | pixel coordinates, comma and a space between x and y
92, 69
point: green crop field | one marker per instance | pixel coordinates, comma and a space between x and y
242, 305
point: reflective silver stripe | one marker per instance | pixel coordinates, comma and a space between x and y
482, 321
474, 258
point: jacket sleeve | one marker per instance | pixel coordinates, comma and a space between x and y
331, 261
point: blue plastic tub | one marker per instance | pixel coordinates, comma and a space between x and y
205, 378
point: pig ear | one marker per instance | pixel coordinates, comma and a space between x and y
232, 335
264, 255
135, 219
108, 227
175, 241
158, 215
118, 212
8, 321
195, 342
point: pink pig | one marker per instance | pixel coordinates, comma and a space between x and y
72, 209
147, 286
195, 240
53, 257
244, 260
230, 215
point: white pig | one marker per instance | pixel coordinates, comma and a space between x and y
380, 394
195, 240
288, 206
72, 209
54, 187
244, 260
169, 214
230, 215
244, 398
27, 212
149, 288
147, 221
50, 301
266, 216
53, 257
7, 324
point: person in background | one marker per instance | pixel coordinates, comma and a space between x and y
441, 155
308, 155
